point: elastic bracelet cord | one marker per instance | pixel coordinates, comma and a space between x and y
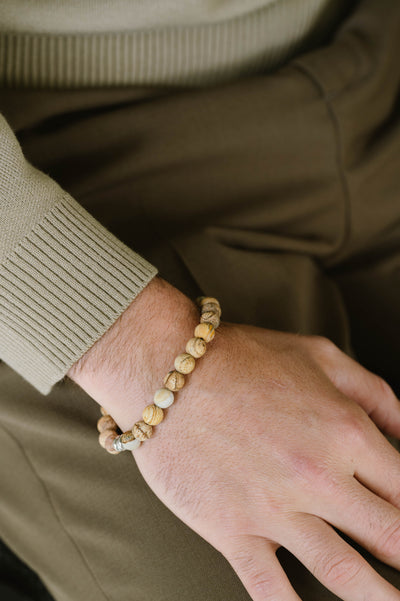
111, 438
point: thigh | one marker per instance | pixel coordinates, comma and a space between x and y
362, 94
371, 292
88, 523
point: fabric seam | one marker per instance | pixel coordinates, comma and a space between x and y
346, 197
56, 514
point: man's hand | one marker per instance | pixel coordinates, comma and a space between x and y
270, 443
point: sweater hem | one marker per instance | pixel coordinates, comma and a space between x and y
62, 288
185, 55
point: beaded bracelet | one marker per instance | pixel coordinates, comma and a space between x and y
184, 364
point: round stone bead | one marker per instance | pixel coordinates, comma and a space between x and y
107, 435
142, 431
106, 423
153, 415
103, 411
205, 330
184, 363
109, 446
163, 398
196, 347
210, 317
127, 437
174, 380
202, 300
213, 307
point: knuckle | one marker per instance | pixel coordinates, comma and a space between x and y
341, 571
383, 388
307, 468
388, 545
313, 474
354, 426
394, 496
264, 584
255, 579
322, 345
233, 521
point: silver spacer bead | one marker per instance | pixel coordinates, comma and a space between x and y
118, 445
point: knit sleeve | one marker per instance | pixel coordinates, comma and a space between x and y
64, 278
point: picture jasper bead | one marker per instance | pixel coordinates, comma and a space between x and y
142, 431
174, 380
152, 415
196, 347
213, 307
202, 300
106, 435
205, 330
163, 398
184, 363
109, 446
210, 317
106, 423
127, 436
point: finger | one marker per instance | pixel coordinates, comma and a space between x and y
334, 562
375, 463
254, 560
367, 389
367, 519
378, 468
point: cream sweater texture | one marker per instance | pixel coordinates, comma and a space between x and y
64, 278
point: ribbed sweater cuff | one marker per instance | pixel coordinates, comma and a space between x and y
61, 289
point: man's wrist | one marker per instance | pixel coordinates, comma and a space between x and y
148, 298
123, 369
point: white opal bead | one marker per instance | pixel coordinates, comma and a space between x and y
132, 445
163, 398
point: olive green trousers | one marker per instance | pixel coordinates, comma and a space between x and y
279, 194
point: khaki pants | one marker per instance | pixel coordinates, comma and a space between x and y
279, 194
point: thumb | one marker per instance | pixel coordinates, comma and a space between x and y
254, 560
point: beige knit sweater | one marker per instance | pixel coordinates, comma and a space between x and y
64, 278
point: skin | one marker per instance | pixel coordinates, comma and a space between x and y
296, 415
